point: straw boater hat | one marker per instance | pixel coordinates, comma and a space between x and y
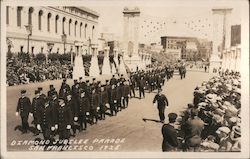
223, 129
237, 130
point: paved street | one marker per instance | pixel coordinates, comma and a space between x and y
128, 124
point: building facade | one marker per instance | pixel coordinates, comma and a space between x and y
171, 43
51, 29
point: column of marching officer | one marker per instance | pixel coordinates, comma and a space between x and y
73, 108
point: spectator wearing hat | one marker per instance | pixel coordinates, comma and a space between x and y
46, 121
224, 139
162, 102
83, 111
64, 120
194, 127
236, 138
169, 133
37, 102
24, 109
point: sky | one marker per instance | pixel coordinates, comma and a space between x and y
158, 18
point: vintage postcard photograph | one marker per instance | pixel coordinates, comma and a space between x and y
125, 79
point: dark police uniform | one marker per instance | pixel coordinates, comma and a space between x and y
84, 107
125, 93
64, 118
35, 107
24, 108
162, 102
94, 103
103, 100
118, 97
46, 119
141, 88
112, 102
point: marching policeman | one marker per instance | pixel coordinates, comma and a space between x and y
142, 87
35, 107
73, 107
162, 102
132, 87
84, 109
64, 120
113, 80
94, 105
118, 96
46, 120
65, 88
24, 109
51, 91
54, 104
82, 84
113, 101
125, 93
103, 102
42, 95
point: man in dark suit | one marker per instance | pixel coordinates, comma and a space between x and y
170, 141
162, 102
24, 109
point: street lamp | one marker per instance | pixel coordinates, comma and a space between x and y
64, 38
29, 30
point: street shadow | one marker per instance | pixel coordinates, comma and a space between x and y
154, 120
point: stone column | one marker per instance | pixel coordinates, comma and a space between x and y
106, 66
220, 31
94, 69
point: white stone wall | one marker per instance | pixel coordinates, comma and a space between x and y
39, 38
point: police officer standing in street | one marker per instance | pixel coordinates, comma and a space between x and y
103, 102
24, 109
84, 107
162, 102
46, 120
35, 107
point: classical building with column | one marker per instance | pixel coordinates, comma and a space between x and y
51, 29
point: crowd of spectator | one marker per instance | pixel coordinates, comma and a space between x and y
22, 69
212, 122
